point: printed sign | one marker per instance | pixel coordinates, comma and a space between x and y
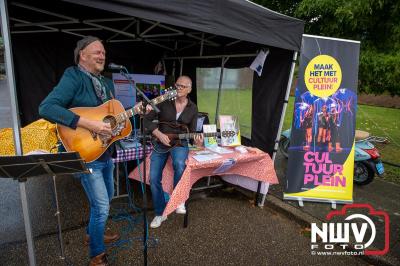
321, 152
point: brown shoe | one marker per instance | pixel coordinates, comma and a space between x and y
99, 260
109, 237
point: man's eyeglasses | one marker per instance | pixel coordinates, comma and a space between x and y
181, 86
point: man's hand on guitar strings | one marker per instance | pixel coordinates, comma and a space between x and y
164, 139
198, 140
103, 129
98, 127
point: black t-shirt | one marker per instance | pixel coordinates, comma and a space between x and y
167, 114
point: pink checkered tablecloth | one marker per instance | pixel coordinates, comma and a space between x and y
255, 164
130, 154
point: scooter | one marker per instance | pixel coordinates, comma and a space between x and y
367, 161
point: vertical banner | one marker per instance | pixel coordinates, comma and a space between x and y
321, 152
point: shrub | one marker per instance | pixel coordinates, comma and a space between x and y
379, 73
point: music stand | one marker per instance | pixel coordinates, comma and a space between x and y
23, 167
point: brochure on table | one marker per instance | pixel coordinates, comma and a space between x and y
210, 141
229, 124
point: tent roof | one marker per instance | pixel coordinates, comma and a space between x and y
216, 24
237, 19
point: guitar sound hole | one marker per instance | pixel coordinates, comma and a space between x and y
111, 120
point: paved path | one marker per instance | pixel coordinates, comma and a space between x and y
380, 194
224, 229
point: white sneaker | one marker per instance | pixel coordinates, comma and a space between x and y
181, 209
157, 221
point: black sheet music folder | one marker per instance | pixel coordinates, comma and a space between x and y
22, 167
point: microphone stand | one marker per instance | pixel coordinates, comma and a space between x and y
147, 101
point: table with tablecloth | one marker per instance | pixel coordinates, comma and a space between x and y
255, 164
130, 154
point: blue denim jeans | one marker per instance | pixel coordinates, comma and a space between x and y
157, 164
99, 188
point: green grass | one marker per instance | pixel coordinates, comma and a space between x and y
233, 102
379, 121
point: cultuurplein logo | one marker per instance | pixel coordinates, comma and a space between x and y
323, 76
356, 225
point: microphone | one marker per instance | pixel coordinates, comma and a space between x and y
115, 66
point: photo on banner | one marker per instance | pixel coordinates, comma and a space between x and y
151, 85
321, 152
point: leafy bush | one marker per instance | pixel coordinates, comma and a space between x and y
379, 72
375, 23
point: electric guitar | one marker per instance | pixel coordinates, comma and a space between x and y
91, 145
176, 138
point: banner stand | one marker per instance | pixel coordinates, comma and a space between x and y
322, 148
301, 204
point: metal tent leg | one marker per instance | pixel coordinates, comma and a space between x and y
27, 222
285, 103
16, 124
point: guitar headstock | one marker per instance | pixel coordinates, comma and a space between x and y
228, 133
170, 94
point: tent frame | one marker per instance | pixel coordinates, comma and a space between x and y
16, 125
78, 26
202, 38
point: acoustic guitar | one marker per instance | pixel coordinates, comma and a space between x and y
91, 145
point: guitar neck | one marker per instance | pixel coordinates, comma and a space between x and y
192, 135
131, 112
160, 99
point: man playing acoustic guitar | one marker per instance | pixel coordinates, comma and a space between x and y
83, 86
179, 116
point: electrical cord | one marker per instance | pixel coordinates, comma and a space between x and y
123, 215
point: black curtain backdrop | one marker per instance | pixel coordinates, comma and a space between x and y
40, 65
268, 98
41, 58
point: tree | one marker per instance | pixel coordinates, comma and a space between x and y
287, 7
376, 23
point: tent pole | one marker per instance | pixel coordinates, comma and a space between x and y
16, 125
164, 67
221, 75
285, 103
201, 44
173, 70
181, 66
174, 62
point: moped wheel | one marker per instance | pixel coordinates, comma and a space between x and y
363, 173
284, 143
